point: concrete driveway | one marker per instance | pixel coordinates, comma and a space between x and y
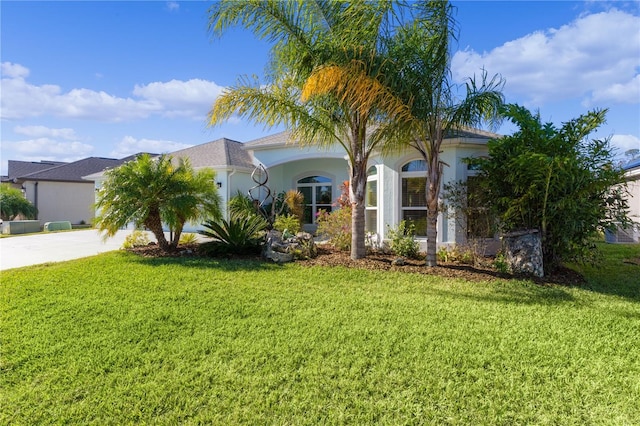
25, 250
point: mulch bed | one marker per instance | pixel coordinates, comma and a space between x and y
330, 257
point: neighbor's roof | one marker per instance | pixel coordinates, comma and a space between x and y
632, 164
17, 169
73, 172
219, 153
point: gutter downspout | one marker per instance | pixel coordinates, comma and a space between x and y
226, 207
35, 198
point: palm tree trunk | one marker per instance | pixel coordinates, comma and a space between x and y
176, 235
434, 176
357, 188
154, 224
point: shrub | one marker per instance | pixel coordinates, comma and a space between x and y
287, 222
336, 226
403, 240
443, 254
500, 263
13, 204
188, 238
137, 238
294, 200
239, 235
555, 180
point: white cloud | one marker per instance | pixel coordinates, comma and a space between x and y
42, 131
12, 70
173, 6
192, 98
628, 93
49, 149
593, 58
623, 143
130, 145
21, 99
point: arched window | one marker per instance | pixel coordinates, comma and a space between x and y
414, 195
317, 192
371, 201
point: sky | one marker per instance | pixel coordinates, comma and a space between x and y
110, 79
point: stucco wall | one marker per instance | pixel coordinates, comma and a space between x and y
55, 201
634, 199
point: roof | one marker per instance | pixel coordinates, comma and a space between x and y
219, 153
277, 139
17, 169
632, 164
73, 172
282, 138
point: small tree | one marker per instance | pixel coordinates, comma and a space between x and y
151, 192
13, 204
555, 180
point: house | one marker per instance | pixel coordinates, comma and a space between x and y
632, 177
395, 184
57, 189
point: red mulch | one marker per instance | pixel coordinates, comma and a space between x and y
330, 257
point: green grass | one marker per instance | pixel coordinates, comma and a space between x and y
116, 339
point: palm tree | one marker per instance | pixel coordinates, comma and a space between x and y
326, 82
14, 204
422, 57
151, 192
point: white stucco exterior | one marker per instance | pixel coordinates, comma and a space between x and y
67, 201
286, 163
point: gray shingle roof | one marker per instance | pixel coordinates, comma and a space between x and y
73, 172
276, 139
219, 153
17, 169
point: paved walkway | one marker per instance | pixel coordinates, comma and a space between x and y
25, 250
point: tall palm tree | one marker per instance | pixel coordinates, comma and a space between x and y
151, 192
422, 57
326, 82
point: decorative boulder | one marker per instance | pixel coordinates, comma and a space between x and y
281, 250
523, 252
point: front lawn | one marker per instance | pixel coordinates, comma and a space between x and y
119, 339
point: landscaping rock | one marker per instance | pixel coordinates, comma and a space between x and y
398, 261
523, 252
280, 250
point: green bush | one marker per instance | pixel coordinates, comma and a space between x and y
336, 226
403, 240
13, 203
287, 222
500, 264
188, 238
239, 235
137, 238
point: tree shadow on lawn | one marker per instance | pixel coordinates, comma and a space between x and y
550, 289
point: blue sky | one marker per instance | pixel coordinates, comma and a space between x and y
109, 79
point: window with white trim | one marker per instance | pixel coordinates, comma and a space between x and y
317, 192
414, 195
371, 201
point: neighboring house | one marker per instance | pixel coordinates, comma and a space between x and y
21, 168
57, 189
395, 188
632, 177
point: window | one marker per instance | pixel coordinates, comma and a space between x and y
371, 201
414, 195
317, 192
480, 224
